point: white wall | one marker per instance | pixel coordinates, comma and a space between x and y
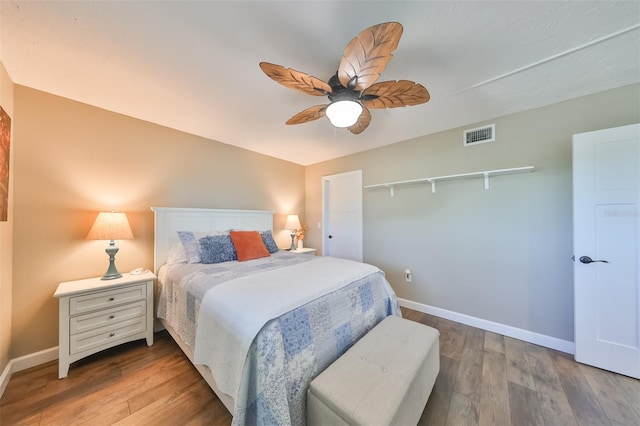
501, 255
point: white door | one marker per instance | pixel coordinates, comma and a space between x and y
342, 215
606, 234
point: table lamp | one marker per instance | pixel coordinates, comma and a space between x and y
292, 223
111, 226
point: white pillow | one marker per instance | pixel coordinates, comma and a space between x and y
177, 254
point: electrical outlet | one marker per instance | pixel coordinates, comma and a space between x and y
407, 275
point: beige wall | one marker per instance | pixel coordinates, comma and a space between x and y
6, 231
73, 160
503, 254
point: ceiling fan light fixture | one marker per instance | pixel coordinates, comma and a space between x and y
344, 113
351, 90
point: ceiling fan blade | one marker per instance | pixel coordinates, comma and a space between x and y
362, 123
367, 55
297, 80
392, 94
309, 114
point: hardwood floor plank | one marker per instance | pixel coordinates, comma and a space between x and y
14, 415
465, 403
453, 342
29, 381
469, 377
583, 401
437, 408
630, 388
210, 416
554, 405
494, 342
494, 399
462, 411
411, 315
610, 396
142, 358
518, 368
108, 415
172, 409
443, 325
475, 339
184, 375
524, 405
430, 320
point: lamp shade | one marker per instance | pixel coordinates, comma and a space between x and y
110, 226
293, 222
343, 113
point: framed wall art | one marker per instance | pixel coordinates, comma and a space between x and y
5, 149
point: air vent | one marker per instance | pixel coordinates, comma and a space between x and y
479, 135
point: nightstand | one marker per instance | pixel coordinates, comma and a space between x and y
305, 250
97, 315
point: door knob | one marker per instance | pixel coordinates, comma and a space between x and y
587, 260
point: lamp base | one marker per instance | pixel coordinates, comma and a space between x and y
293, 236
112, 273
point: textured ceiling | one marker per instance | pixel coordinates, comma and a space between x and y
193, 66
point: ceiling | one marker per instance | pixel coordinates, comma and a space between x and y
193, 66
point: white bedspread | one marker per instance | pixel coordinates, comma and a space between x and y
232, 313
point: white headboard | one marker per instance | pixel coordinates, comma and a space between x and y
168, 220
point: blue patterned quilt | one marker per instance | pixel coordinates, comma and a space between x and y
289, 351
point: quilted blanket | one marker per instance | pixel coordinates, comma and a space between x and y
290, 351
293, 342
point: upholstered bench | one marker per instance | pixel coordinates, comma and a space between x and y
384, 379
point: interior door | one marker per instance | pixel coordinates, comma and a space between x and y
342, 215
606, 199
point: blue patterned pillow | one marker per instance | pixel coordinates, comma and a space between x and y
267, 239
216, 249
191, 246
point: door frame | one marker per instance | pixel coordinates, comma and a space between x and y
326, 180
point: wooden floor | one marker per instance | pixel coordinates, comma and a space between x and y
485, 378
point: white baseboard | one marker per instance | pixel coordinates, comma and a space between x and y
24, 362
4, 378
506, 330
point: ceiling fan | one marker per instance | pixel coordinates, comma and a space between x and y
352, 90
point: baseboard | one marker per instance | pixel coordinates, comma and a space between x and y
506, 330
24, 362
4, 378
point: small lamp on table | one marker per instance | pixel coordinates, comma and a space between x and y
293, 223
111, 226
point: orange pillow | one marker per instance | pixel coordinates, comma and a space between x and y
248, 244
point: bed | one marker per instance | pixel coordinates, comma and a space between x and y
259, 330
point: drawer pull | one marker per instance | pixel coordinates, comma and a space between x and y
112, 316
111, 299
112, 334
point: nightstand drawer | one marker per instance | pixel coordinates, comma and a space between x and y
104, 299
106, 335
86, 322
